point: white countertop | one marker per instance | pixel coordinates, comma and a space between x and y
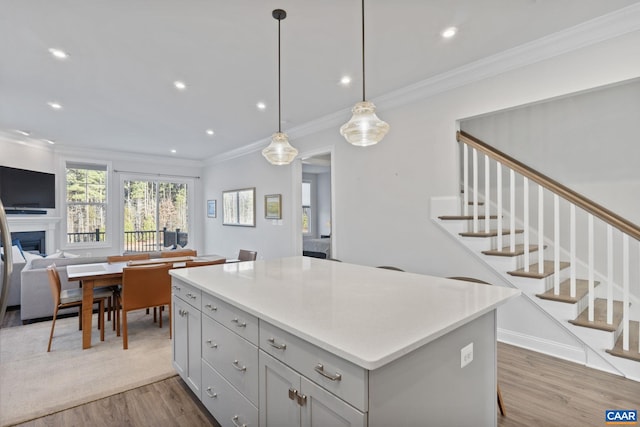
368, 316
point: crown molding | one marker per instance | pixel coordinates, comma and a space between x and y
125, 156
605, 27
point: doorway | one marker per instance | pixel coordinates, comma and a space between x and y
315, 185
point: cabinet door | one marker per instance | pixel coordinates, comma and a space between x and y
180, 338
186, 344
322, 408
279, 386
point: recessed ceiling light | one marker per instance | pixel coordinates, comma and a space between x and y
345, 81
48, 141
210, 132
180, 85
449, 32
54, 105
174, 151
60, 54
261, 105
23, 132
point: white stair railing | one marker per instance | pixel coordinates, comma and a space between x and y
606, 219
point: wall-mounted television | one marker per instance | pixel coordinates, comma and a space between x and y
27, 191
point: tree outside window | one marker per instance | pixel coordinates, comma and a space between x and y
306, 208
86, 202
155, 215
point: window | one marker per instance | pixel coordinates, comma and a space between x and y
239, 207
306, 208
86, 202
156, 214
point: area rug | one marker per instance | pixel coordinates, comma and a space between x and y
34, 383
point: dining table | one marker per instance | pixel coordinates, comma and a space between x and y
101, 274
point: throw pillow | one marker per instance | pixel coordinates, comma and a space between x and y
69, 255
16, 254
57, 254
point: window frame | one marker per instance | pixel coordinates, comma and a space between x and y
191, 189
309, 207
108, 237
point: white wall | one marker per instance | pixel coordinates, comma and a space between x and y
382, 192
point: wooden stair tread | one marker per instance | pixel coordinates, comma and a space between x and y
600, 316
491, 233
548, 270
582, 289
506, 251
633, 353
465, 217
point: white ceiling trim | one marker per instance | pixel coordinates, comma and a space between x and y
597, 30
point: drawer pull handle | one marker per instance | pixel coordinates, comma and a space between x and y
176, 287
237, 366
272, 343
192, 296
212, 308
211, 395
320, 369
183, 313
235, 419
211, 344
238, 323
301, 398
292, 393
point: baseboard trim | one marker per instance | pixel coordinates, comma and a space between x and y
551, 348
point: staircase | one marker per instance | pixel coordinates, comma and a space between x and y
568, 255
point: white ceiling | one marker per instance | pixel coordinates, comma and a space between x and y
117, 92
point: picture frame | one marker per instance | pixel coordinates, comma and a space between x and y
239, 207
273, 206
212, 208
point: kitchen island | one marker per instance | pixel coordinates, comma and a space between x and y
303, 341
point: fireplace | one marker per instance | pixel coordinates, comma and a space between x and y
31, 241
38, 223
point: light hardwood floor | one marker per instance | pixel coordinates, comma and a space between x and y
538, 390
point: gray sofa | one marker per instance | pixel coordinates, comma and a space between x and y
14, 282
35, 294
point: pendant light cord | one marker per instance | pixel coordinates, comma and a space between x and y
363, 74
279, 91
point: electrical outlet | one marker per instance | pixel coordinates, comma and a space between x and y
466, 355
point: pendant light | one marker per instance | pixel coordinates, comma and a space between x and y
364, 128
279, 152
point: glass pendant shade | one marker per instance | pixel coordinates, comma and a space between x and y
364, 128
279, 152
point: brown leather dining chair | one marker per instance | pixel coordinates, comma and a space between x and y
144, 287
114, 304
245, 255
474, 280
178, 253
203, 263
129, 257
73, 298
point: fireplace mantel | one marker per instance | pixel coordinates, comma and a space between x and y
47, 224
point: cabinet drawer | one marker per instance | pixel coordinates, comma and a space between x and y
186, 292
232, 356
224, 402
243, 324
338, 376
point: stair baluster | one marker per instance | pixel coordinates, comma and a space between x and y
575, 291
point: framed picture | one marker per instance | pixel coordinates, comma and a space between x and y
273, 206
239, 207
212, 209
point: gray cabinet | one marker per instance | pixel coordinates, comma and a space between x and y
288, 399
186, 324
